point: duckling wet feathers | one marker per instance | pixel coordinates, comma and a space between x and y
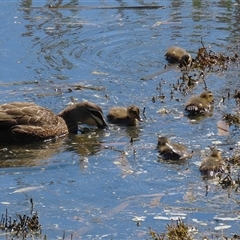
171, 151
124, 116
176, 54
200, 104
212, 164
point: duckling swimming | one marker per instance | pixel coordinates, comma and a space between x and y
176, 54
212, 164
27, 122
124, 116
201, 104
171, 151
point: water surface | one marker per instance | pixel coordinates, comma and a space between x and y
98, 185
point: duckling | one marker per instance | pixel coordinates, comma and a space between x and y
201, 104
27, 122
171, 151
178, 55
124, 116
212, 164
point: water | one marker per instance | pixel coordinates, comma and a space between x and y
98, 185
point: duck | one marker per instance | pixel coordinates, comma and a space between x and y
171, 151
176, 54
212, 164
124, 116
27, 122
200, 104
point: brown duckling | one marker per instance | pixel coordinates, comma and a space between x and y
171, 151
27, 122
212, 164
124, 116
176, 54
201, 104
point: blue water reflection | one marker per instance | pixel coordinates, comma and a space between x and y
96, 184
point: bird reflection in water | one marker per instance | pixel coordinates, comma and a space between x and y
32, 154
85, 145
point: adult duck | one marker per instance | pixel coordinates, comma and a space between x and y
26, 122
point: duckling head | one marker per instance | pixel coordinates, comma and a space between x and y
186, 59
208, 96
216, 153
134, 112
162, 141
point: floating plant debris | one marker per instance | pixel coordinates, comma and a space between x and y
231, 119
237, 94
22, 226
223, 128
235, 158
206, 59
180, 231
228, 181
176, 230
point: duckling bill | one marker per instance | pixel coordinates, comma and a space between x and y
26, 122
124, 116
201, 104
176, 54
212, 164
171, 151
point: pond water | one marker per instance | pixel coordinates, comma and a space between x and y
100, 185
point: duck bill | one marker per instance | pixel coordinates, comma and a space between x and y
104, 125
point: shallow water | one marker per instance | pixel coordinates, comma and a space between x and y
98, 185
